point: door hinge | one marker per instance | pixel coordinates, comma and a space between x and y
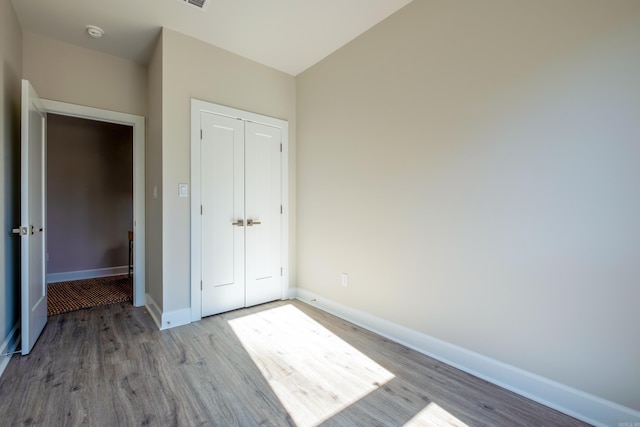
200, 209
281, 271
200, 133
200, 284
281, 148
280, 209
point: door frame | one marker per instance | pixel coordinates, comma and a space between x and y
138, 124
198, 107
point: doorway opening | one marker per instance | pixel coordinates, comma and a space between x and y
89, 208
114, 257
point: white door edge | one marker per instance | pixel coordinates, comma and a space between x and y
198, 107
138, 124
33, 268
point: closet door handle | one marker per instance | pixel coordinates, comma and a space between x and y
239, 223
251, 222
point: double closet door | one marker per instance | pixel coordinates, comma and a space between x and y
241, 213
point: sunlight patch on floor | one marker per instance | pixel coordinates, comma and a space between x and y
434, 415
314, 373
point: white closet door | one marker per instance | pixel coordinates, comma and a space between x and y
222, 198
262, 207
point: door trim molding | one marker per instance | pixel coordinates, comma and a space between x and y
198, 107
138, 124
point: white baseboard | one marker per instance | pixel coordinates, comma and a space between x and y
154, 311
573, 402
175, 318
87, 274
169, 319
9, 345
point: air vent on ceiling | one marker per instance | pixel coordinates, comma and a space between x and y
200, 4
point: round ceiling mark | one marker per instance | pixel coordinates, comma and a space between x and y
95, 32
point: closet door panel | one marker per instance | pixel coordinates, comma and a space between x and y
262, 207
222, 166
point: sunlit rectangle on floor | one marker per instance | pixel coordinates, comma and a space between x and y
314, 373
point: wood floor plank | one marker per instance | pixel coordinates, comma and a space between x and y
280, 364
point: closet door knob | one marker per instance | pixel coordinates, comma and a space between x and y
239, 223
251, 222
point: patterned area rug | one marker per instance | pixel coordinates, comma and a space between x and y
63, 297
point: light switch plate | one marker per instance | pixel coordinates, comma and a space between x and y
183, 190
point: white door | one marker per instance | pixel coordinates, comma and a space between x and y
240, 213
262, 207
33, 269
222, 198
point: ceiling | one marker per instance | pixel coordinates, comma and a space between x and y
288, 35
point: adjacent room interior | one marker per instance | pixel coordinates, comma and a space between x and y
89, 213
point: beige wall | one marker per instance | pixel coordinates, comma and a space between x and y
193, 69
10, 75
63, 72
154, 176
473, 167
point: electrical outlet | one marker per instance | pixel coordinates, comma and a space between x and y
344, 279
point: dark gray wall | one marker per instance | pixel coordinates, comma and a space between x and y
89, 193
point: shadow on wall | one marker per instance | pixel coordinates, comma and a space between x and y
11, 192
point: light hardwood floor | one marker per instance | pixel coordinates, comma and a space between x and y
279, 364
